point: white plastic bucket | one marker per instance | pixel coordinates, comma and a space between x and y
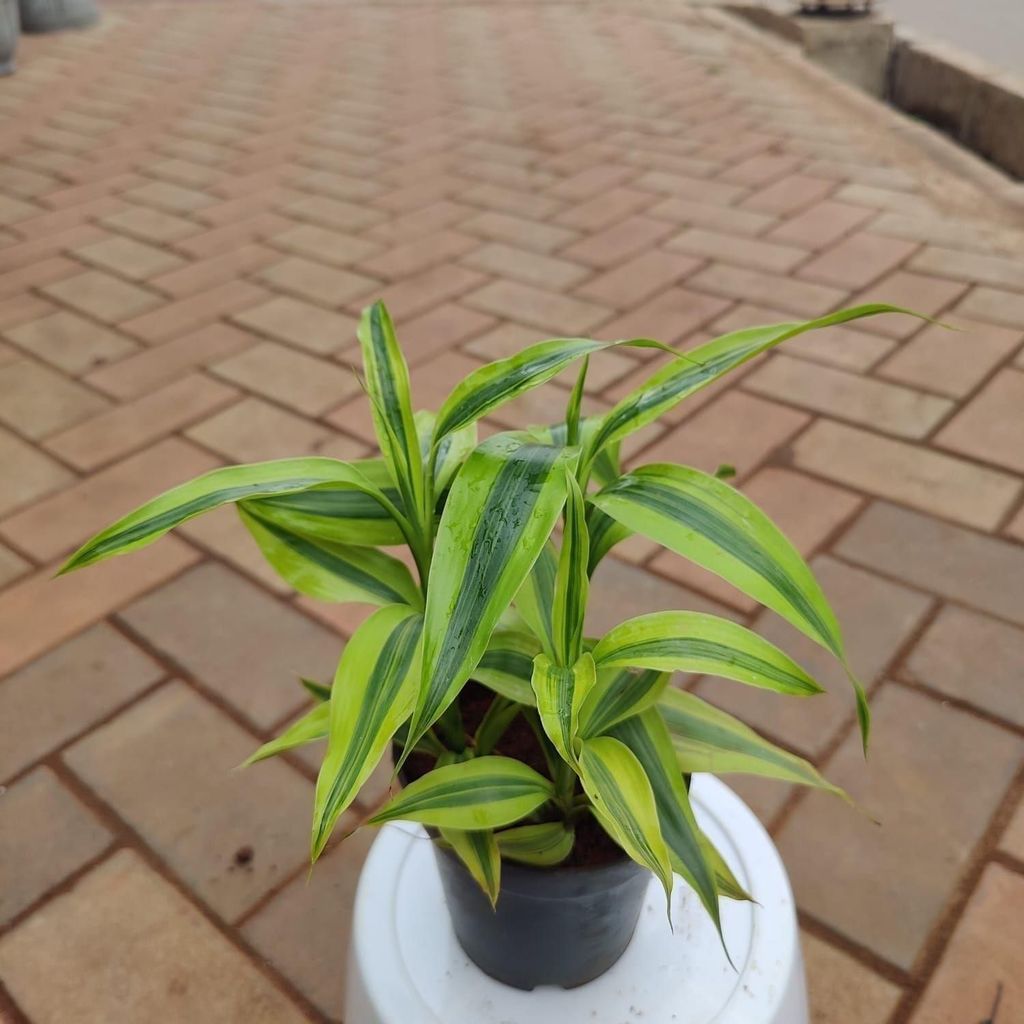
405, 965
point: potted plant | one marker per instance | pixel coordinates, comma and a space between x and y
552, 768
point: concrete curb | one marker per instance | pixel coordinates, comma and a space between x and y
763, 23
979, 106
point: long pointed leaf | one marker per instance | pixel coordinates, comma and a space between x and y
561, 692
478, 851
387, 381
572, 582
700, 643
498, 516
485, 792
311, 726
332, 572
451, 452
624, 802
709, 740
340, 513
535, 600
210, 491
542, 846
714, 525
605, 533
606, 466
704, 365
618, 694
646, 736
507, 665
499, 382
725, 881
374, 692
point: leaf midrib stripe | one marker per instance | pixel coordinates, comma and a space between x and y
686, 509
171, 517
704, 650
333, 563
389, 672
502, 521
616, 699
491, 393
674, 386
634, 734
331, 503
608, 786
725, 740
483, 790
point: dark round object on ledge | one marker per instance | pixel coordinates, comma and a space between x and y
553, 926
53, 15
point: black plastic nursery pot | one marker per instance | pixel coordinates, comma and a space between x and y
552, 926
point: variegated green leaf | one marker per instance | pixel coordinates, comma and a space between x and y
316, 690
499, 514
605, 467
507, 664
499, 382
387, 382
726, 882
482, 793
572, 583
704, 365
542, 846
478, 851
340, 513
311, 726
210, 491
374, 692
618, 694
330, 571
714, 525
647, 738
535, 600
707, 739
700, 643
560, 693
572, 412
605, 533
452, 451
621, 796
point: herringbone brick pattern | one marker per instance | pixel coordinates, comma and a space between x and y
196, 200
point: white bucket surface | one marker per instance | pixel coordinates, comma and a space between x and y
406, 966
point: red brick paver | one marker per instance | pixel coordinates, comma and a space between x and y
196, 200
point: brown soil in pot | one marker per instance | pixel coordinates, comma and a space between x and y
593, 847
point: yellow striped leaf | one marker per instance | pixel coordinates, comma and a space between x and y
560, 693
482, 793
332, 572
373, 693
498, 516
623, 800
478, 851
542, 846
220, 487
702, 644
707, 739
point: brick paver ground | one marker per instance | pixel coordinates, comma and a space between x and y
196, 199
